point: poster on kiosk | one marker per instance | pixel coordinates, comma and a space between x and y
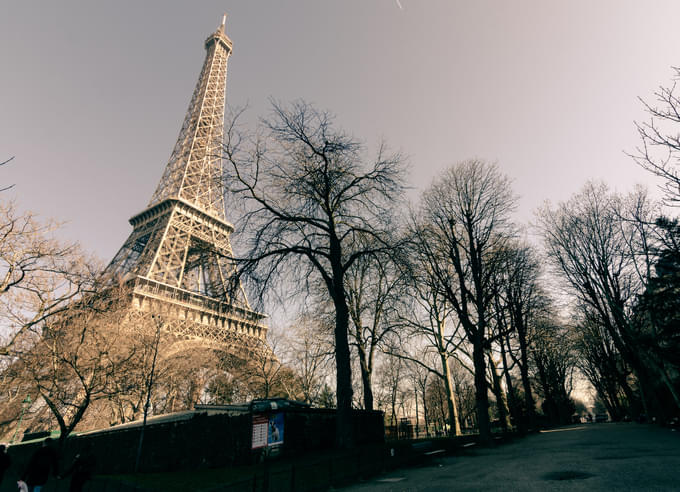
275, 431
267, 430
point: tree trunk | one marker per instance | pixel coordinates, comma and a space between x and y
64, 428
621, 382
454, 422
442, 416
529, 402
512, 398
394, 382
481, 395
501, 401
612, 407
426, 414
193, 393
626, 344
344, 438
365, 379
669, 384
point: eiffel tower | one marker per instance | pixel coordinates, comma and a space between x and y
176, 260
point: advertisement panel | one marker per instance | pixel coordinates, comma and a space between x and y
260, 426
275, 434
267, 430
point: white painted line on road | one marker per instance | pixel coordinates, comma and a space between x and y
561, 430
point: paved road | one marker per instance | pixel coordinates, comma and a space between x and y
593, 457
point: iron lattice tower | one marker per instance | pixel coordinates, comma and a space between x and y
176, 260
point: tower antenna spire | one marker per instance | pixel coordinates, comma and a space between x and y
224, 21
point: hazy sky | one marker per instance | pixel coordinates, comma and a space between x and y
93, 94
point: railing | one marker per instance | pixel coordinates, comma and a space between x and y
191, 299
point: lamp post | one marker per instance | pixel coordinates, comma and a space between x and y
24, 405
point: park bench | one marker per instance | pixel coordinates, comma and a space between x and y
427, 450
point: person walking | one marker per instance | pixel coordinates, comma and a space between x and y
43, 461
82, 468
5, 461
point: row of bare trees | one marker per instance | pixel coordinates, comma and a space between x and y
446, 296
442, 307
617, 254
608, 249
451, 277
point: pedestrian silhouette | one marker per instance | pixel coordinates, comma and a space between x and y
38, 470
5, 461
82, 468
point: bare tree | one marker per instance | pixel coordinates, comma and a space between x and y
184, 371
554, 362
58, 344
602, 257
39, 276
263, 373
436, 402
391, 380
420, 376
659, 151
16, 397
462, 224
308, 353
519, 303
150, 379
6, 161
499, 393
72, 358
315, 208
375, 288
430, 320
464, 388
602, 364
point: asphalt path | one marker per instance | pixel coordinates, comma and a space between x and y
593, 457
